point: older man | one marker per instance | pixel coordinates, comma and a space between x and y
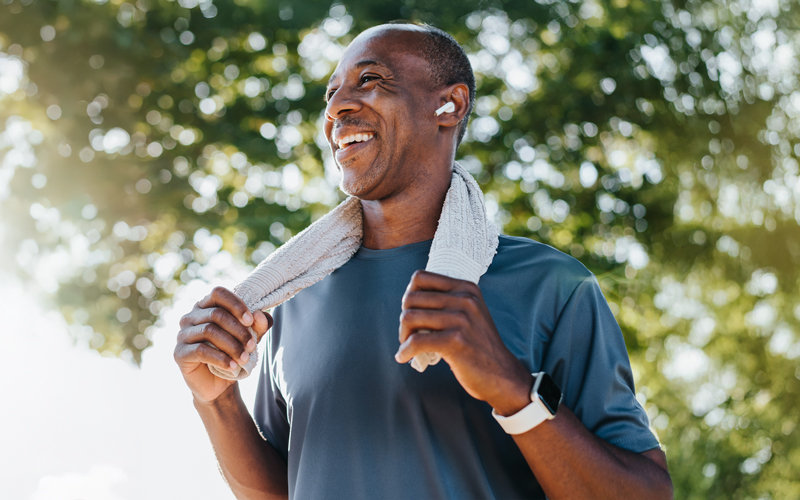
535, 397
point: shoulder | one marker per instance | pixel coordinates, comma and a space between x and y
538, 261
529, 275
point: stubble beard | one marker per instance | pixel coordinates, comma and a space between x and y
364, 184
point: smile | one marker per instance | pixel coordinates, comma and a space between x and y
347, 140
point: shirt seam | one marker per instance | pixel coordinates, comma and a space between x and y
646, 434
569, 299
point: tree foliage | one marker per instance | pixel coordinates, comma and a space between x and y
147, 144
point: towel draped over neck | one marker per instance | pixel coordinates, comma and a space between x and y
463, 247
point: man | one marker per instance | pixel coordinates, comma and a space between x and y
341, 413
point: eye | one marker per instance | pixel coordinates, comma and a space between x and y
330, 94
368, 78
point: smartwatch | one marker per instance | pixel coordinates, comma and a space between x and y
545, 398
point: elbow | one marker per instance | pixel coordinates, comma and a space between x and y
654, 483
666, 492
662, 487
659, 482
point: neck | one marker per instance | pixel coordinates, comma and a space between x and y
409, 216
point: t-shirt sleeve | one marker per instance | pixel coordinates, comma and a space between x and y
270, 408
587, 358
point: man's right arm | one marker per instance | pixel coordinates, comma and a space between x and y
252, 468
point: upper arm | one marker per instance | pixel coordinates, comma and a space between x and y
587, 358
658, 456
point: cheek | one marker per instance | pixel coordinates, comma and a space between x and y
410, 120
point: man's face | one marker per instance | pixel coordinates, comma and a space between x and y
376, 120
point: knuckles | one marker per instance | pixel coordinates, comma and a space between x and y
218, 315
405, 299
208, 330
417, 274
457, 340
407, 316
408, 299
186, 320
177, 353
461, 319
416, 278
470, 303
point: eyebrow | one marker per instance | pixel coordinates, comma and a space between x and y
361, 64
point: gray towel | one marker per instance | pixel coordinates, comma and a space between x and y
463, 247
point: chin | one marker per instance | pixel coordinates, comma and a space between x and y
363, 185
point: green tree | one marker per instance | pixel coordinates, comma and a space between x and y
147, 144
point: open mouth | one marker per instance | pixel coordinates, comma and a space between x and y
353, 139
349, 146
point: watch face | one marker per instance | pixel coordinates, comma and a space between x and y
549, 393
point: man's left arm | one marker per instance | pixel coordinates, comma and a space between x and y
566, 458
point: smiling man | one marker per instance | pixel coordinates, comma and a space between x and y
535, 395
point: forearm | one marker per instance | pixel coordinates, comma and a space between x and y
571, 462
567, 459
252, 468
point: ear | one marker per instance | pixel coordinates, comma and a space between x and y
458, 94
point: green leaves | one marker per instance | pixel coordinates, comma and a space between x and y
151, 143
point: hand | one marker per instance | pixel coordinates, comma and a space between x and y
220, 318
463, 333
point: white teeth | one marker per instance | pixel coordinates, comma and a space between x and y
347, 140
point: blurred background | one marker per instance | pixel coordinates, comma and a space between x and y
153, 149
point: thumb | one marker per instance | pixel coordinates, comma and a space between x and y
422, 342
261, 323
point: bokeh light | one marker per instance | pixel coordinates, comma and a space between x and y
149, 145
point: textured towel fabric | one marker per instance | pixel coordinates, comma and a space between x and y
463, 247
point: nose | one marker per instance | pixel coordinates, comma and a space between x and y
342, 102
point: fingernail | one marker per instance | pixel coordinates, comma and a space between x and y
245, 357
397, 357
248, 318
233, 365
251, 345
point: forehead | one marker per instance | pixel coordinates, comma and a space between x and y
395, 48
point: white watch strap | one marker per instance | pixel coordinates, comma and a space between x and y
527, 418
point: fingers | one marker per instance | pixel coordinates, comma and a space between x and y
436, 310
224, 298
418, 299
202, 353
221, 339
224, 320
442, 342
426, 280
413, 320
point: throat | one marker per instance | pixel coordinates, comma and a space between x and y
396, 222
384, 237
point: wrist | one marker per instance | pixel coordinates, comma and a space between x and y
515, 398
545, 398
227, 398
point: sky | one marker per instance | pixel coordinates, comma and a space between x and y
76, 425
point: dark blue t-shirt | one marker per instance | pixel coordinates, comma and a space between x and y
353, 423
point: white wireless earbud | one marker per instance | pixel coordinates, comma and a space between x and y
447, 108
